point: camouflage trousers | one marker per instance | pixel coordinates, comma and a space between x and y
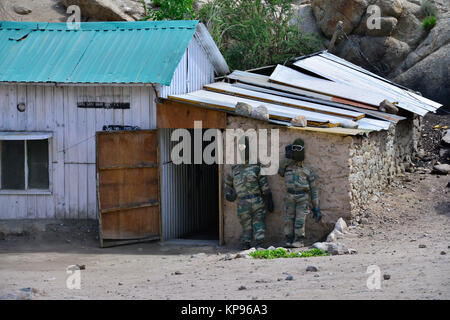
296, 207
251, 214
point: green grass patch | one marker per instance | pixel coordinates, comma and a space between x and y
428, 23
282, 253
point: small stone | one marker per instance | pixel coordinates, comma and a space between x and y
81, 266
441, 169
21, 10
271, 248
312, 269
299, 121
261, 113
228, 257
120, 283
422, 246
337, 248
316, 275
289, 278
388, 107
386, 276
177, 273
242, 288
443, 253
243, 109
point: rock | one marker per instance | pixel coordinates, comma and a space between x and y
260, 113
329, 12
428, 76
409, 30
331, 237
337, 248
321, 246
299, 121
21, 10
441, 169
422, 246
242, 288
341, 225
446, 138
100, 10
443, 253
388, 107
391, 8
271, 248
311, 269
178, 273
304, 19
243, 109
289, 278
364, 221
387, 26
386, 276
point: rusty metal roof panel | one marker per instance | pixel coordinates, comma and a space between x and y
98, 52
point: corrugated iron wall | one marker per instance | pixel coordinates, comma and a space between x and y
193, 72
189, 194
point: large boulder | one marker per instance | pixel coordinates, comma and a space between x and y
438, 37
329, 12
304, 19
430, 76
409, 29
389, 8
107, 10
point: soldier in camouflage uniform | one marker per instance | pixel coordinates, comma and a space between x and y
251, 189
301, 193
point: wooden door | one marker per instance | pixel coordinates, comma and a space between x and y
128, 187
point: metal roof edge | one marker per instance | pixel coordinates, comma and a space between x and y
104, 26
211, 49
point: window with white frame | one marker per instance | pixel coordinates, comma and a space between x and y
24, 162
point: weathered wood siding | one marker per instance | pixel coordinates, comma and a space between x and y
54, 109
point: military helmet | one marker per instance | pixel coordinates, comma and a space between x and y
298, 150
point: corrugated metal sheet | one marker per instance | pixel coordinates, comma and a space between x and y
189, 195
276, 111
194, 70
342, 72
100, 52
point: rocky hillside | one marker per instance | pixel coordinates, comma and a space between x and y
400, 49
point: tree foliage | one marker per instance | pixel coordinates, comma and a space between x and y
169, 10
255, 33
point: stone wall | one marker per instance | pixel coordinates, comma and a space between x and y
376, 159
327, 154
350, 171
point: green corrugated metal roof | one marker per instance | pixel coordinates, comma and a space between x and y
98, 52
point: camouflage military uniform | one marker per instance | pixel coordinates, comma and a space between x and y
249, 185
301, 192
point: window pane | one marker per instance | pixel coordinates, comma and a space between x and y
13, 165
37, 164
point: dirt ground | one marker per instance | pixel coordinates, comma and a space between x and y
414, 212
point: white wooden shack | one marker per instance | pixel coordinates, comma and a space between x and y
59, 86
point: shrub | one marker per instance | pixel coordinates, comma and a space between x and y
255, 33
282, 253
429, 23
428, 8
169, 10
